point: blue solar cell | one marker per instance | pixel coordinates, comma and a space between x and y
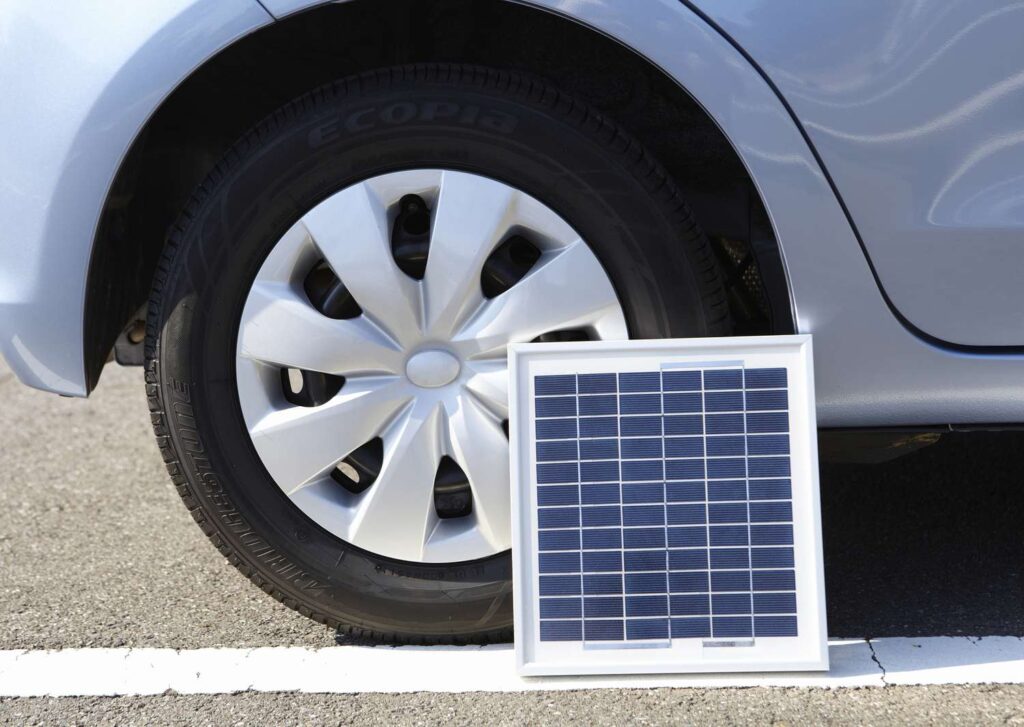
642, 471
728, 534
643, 538
768, 466
560, 586
558, 495
684, 469
603, 607
688, 582
556, 450
639, 492
600, 561
723, 379
646, 381
603, 630
719, 468
601, 515
730, 604
684, 491
647, 448
770, 490
646, 628
771, 534
600, 494
598, 427
684, 447
767, 400
771, 557
597, 383
726, 446
766, 423
556, 428
732, 626
557, 473
681, 380
690, 559
559, 562
688, 537
643, 515
690, 605
599, 448
602, 585
727, 490
600, 471
728, 580
774, 603
645, 582
561, 631
561, 607
775, 625
691, 628
640, 404
566, 384
727, 512
683, 403
598, 405
558, 517
768, 444
602, 538
637, 560
647, 605
765, 378
640, 426
723, 401
774, 580
687, 514
771, 512
556, 406
558, 540
730, 558
727, 423
684, 424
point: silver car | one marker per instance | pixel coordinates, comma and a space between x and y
319, 226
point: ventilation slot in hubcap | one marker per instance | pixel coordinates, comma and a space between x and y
361, 468
309, 388
452, 494
566, 335
410, 236
329, 295
507, 265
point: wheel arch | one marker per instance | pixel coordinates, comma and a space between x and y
199, 120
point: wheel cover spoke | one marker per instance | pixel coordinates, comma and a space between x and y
472, 215
350, 229
281, 327
420, 414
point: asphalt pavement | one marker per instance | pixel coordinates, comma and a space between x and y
96, 550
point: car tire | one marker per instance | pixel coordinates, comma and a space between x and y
499, 125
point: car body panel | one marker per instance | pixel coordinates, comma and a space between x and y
78, 85
917, 109
871, 370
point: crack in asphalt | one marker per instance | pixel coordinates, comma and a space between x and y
874, 658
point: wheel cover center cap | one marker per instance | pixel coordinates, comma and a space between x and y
432, 369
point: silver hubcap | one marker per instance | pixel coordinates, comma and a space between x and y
365, 418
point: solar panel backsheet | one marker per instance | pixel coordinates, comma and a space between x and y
670, 518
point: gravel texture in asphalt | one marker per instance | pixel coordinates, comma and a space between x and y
758, 706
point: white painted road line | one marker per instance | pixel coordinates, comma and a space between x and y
347, 669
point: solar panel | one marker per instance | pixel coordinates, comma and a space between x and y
666, 514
